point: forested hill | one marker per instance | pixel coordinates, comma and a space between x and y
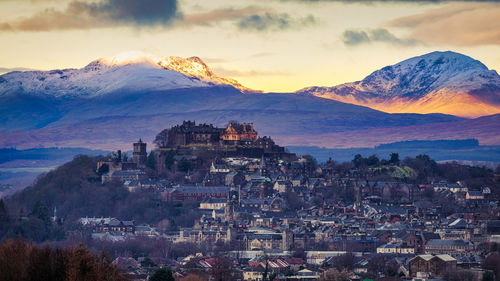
76, 191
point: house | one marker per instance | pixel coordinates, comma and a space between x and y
431, 265
281, 186
438, 246
219, 168
146, 230
196, 193
305, 274
255, 273
122, 176
474, 195
297, 181
262, 204
395, 248
213, 204
114, 225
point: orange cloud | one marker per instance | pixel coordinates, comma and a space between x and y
460, 24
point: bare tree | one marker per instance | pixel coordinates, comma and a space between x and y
161, 140
222, 269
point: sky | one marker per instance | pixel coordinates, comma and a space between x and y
269, 45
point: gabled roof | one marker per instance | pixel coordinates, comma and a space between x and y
458, 223
475, 193
446, 257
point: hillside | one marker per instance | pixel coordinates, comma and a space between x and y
112, 102
485, 129
438, 82
273, 114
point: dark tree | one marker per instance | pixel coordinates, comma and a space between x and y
488, 276
222, 269
358, 160
4, 216
103, 169
41, 212
147, 262
151, 161
394, 159
458, 275
345, 261
161, 140
372, 160
492, 262
311, 163
162, 274
184, 165
169, 159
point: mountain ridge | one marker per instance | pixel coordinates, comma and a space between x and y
119, 99
444, 82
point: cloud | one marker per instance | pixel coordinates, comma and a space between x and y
106, 13
460, 24
274, 22
210, 17
388, 1
249, 18
358, 37
354, 37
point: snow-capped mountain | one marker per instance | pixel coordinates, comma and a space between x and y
195, 67
125, 72
122, 98
438, 82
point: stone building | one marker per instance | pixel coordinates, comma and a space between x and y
432, 265
239, 132
189, 134
140, 154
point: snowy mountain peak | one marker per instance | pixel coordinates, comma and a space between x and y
123, 72
192, 66
131, 57
196, 68
442, 63
438, 82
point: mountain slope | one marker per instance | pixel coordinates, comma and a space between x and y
485, 129
195, 67
438, 82
100, 77
114, 101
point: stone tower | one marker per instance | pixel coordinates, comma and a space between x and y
140, 154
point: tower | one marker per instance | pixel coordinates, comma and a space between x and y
359, 201
140, 154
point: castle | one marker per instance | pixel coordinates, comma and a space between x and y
239, 132
120, 169
190, 134
236, 139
